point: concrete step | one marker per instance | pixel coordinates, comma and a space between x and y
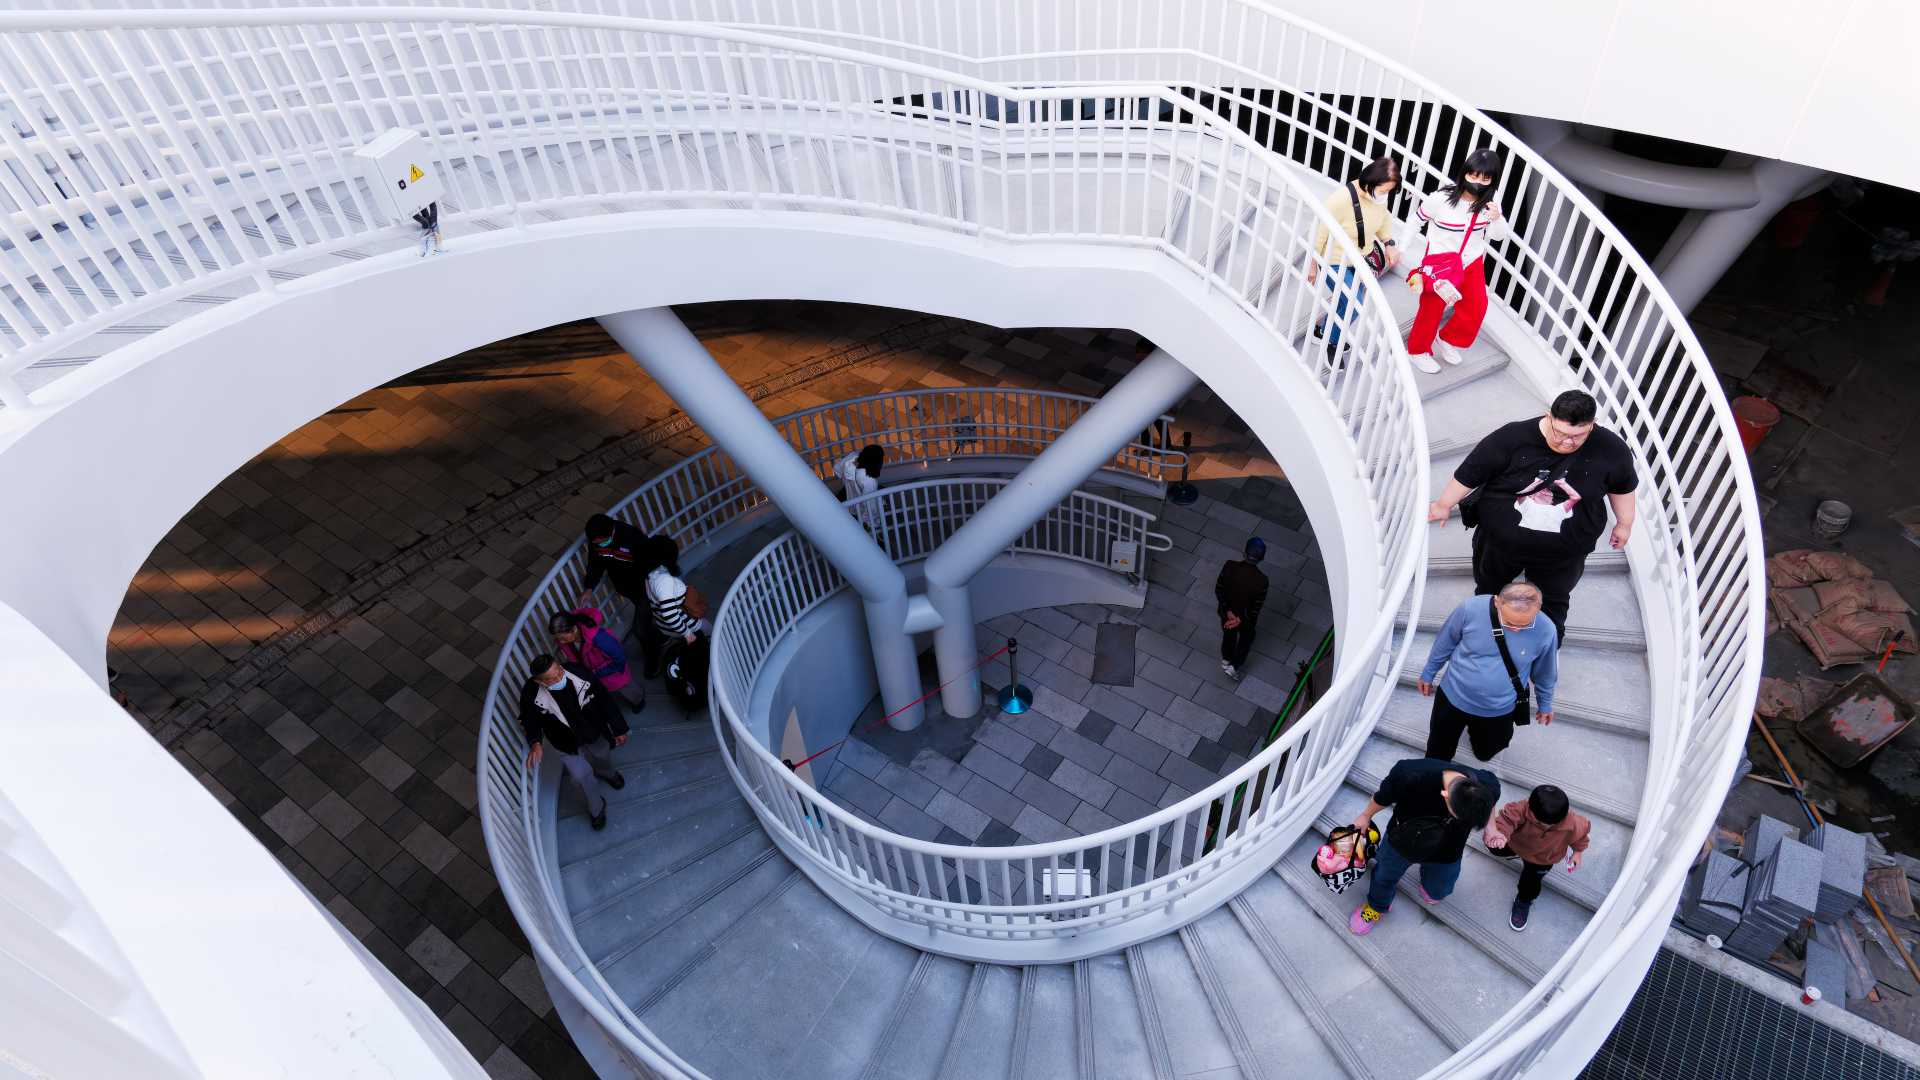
1392, 1038
637, 823
682, 838
1588, 885
612, 930
1601, 772
1462, 418
1280, 1040
644, 779
1049, 1011
1604, 612
632, 807
676, 947
916, 1035
1481, 902
1565, 710
1410, 942
1196, 1042
982, 1044
1323, 1030
667, 740
1121, 1048
1613, 686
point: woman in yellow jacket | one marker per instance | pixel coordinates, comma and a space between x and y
1360, 209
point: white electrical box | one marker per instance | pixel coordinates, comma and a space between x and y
396, 166
1124, 557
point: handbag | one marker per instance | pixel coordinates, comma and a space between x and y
694, 604
1522, 701
1376, 255
1447, 266
1343, 859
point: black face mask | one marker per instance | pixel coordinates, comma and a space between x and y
1476, 190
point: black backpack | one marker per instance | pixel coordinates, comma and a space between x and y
684, 669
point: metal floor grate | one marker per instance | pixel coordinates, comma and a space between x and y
1688, 1023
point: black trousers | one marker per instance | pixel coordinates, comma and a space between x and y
1488, 734
1236, 643
1494, 569
1531, 874
641, 629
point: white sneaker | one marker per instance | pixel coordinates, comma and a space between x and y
1448, 353
1424, 362
1228, 670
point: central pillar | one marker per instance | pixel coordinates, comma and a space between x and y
663, 346
1153, 387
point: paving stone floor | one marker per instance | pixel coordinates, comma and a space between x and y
1088, 756
313, 640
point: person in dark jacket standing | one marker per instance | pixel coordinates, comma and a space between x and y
569, 709
618, 552
1241, 590
1437, 805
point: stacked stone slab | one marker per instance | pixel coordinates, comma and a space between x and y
1843, 870
1782, 892
1715, 896
1764, 837
1827, 969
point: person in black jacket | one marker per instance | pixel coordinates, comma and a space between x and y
1241, 590
567, 707
618, 552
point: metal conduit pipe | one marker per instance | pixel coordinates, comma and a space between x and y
1153, 387
663, 346
1730, 204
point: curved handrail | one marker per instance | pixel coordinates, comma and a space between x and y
1569, 276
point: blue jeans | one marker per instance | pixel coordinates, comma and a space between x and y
1389, 866
1339, 317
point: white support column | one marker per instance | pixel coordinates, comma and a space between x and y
1153, 387
1731, 203
661, 344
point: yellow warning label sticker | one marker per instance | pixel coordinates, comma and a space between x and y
414, 173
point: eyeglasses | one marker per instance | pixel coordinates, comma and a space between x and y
1564, 437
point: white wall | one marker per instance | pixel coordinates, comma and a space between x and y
1827, 83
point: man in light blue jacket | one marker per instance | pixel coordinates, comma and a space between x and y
1480, 694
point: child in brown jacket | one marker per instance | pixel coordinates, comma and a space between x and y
1539, 830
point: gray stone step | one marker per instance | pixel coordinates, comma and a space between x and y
1565, 709
636, 822
611, 932
1465, 417
1049, 1009
1120, 1046
982, 1044
1604, 612
644, 779
1588, 885
916, 1035
1229, 1012
1602, 773
1393, 1038
1196, 1043
1605, 683
1281, 1040
665, 740
1480, 907
675, 948
1407, 947
684, 837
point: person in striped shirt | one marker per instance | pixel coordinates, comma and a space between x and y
1459, 220
677, 610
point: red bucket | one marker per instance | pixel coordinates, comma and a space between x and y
1754, 417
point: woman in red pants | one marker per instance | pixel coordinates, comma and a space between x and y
1459, 220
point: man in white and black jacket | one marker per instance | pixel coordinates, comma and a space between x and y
567, 707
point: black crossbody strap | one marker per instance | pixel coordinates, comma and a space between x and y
1500, 639
1359, 218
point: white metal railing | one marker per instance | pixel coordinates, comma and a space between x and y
698, 501
180, 153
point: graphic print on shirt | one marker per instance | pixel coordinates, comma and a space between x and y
1536, 506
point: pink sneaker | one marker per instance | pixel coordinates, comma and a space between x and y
1424, 898
1363, 920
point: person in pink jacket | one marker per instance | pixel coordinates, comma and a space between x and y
1459, 220
1539, 830
580, 638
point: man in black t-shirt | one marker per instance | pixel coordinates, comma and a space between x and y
1541, 489
1436, 806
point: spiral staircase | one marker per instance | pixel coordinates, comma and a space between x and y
185, 237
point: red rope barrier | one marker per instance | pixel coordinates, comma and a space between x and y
982, 662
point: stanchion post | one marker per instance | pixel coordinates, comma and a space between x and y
1015, 699
1181, 493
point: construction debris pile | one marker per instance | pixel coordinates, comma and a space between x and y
1802, 906
1834, 604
